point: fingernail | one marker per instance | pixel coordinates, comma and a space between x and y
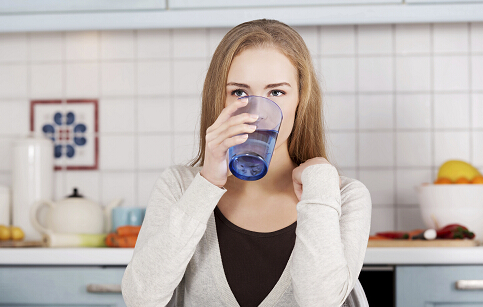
254, 127
254, 116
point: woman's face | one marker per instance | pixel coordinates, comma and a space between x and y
269, 73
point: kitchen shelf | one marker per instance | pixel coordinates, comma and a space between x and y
182, 4
60, 6
229, 17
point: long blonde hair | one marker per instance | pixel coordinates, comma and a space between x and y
307, 139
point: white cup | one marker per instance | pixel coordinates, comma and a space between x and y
4, 206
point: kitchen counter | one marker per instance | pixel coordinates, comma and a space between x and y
424, 255
65, 256
122, 256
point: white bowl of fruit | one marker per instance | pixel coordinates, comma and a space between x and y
455, 197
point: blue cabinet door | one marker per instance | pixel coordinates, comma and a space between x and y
60, 286
431, 286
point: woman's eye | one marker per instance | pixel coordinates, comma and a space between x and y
239, 93
276, 93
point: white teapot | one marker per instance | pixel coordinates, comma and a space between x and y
74, 214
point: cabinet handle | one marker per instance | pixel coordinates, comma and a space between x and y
104, 288
469, 284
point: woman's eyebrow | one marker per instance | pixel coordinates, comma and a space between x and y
266, 87
277, 85
238, 84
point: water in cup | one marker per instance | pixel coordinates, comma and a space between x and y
251, 165
251, 159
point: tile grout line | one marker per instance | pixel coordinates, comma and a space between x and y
403, 130
394, 140
470, 94
318, 31
188, 96
135, 119
161, 59
368, 168
335, 131
318, 72
105, 60
64, 107
431, 99
171, 93
356, 99
325, 106
328, 55
29, 67
99, 100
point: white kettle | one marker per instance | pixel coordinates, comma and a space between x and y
74, 214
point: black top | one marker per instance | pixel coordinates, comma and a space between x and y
253, 261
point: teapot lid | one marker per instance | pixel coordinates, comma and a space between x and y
75, 194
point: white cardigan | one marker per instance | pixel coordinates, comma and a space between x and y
177, 258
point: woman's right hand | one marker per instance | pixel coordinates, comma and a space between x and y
223, 134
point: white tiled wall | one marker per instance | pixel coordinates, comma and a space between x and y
399, 101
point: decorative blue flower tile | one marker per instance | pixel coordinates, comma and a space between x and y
72, 126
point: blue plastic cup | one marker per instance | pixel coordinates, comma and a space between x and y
250, 160
122, 216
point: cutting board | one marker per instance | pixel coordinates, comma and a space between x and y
423, 243
11, 243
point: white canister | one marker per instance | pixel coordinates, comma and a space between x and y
32, 180
4, 205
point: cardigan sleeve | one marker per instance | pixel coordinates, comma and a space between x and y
174, 223
333, 227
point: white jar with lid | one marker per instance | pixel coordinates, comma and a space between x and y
4, 205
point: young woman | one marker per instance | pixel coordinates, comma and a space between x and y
296, 237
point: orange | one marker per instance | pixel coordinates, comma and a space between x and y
462, 180
443, 180
477, 179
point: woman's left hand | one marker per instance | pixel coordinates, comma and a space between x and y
297, 174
